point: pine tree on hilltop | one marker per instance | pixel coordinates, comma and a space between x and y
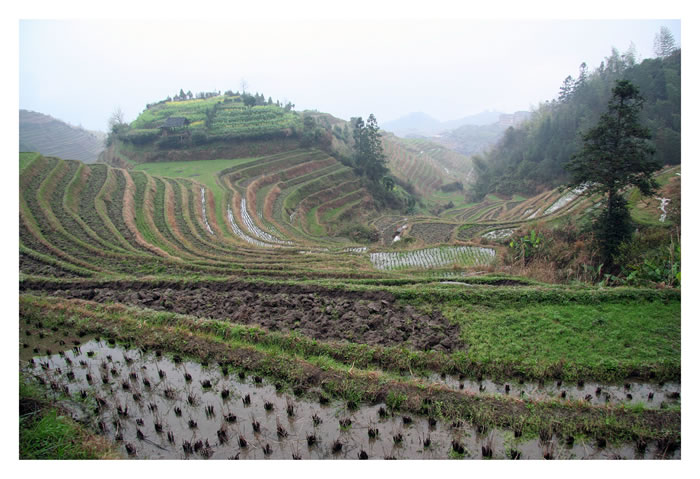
664, 43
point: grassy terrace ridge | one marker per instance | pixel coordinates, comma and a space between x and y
227, 180
71, 206
297, 189
135, 207
47, 432
258, 190
179, 218
315, 200
204, 172
239, 348
26, 158
59, 267
411, 164
32, 217
52, 203
453, 163
103, 188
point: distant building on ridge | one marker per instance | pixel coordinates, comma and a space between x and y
515, 119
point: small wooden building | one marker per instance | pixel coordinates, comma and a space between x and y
176, 126
175, 123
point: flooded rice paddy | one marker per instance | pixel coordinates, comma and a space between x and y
433, 257
156, 407
646, 395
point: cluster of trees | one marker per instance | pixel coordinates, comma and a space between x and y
369, 161
182, 96
202, 95
315, 135
343, 133
116, 126
664, 43
368, 155
258, 99
531, 157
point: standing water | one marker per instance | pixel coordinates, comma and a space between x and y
160, 408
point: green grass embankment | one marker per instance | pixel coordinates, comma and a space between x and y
48, 432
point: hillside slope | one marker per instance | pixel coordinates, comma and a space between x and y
471, 139
46, 135
284, 215
531, 157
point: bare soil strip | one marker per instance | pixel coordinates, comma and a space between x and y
374, 319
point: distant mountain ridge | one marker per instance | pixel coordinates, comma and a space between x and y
422, 124
471, 139
52, 137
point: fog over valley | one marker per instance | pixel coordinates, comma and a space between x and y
80, 71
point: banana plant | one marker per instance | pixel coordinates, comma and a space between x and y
525, 247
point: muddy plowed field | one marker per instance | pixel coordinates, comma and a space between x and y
324, 315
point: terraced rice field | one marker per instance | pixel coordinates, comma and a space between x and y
411, 166
226, 324
92, 221
433, 232
165, 216
453, 164
499, 234
434, 258
655, 210
505, 214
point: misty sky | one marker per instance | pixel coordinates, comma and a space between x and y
81, 71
